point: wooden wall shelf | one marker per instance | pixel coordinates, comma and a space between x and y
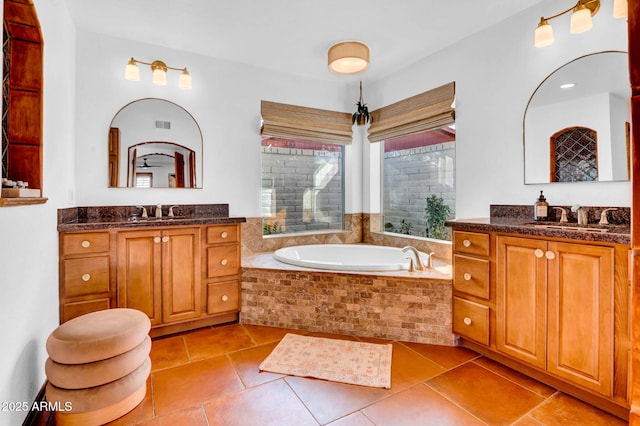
12, 202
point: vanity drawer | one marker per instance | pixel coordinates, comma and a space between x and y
471, 275
223, 260
84, 276
75, 309
471, 243
471, 320
223, 296
222, 234
85, 243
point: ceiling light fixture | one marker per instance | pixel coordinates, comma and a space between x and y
348, 57
581, 20
159, 70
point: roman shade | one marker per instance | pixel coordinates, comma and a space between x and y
425, 111
291, 121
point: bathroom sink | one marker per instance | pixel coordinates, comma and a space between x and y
571, 227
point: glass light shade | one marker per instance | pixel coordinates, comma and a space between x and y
132, 72
544, 34
348, 57
580, 20
185, 80
159, 77
620, 8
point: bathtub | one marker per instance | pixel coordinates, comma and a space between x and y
347, 257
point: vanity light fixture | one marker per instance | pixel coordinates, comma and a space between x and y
581, 20
159, 70
348, 57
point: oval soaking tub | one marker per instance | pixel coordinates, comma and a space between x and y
347, 257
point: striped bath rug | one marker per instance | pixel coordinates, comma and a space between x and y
357, 363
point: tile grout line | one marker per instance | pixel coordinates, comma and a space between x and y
544, 398
445, 396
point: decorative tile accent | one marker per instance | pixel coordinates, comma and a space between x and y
368, 305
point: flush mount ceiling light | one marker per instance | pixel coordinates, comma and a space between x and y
581, 20
159, 73
348, 57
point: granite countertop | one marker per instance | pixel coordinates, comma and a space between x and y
105, 217
514, 222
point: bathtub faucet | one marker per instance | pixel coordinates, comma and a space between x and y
418, 265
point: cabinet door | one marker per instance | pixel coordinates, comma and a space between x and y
580, 346
521, 299
181, 274
140, 272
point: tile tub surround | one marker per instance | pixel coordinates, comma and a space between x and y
358, 228
396, 305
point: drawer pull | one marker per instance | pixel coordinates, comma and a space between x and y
539, 253
224, 234
86, 277
550, 255
466, 243
467, 276
224, 298
165, 239
85, 243
224, 262
467, 320
156, 240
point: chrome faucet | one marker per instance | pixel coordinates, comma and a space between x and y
144, 212
418, 265
603, 216
159, 211
582, 214
170, 214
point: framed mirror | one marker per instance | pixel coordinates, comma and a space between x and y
154, 143
576, 124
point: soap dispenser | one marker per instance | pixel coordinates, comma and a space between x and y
541, 208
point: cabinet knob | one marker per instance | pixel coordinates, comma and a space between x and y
467, 276
165, 239
85, 243
550, 255
156, 240
466, 243
224, 234
467, 320
86, 277
539, 253
224, 262
224, 298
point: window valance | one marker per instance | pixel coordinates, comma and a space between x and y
419, 113
291, 121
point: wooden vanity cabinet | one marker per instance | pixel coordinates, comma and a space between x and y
182, 277
558, 310
87, 274
159, 273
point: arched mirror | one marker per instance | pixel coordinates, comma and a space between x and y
154, 143
576, 124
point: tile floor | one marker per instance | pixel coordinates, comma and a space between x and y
210, 377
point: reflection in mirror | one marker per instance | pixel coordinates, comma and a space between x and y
576, 125
154, 143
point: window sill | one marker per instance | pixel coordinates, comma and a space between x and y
12, 202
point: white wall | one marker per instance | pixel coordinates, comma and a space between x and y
28, 237
496, 71
225, 101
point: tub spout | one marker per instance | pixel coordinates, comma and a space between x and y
417, 265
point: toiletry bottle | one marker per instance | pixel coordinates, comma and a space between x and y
541, 208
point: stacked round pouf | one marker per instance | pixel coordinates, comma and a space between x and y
98, 366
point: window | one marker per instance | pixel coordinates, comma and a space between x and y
418, 163
302, 168
302, 185
144, 180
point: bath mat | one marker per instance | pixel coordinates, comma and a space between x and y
358, 363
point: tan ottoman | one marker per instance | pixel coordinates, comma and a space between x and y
98, 366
